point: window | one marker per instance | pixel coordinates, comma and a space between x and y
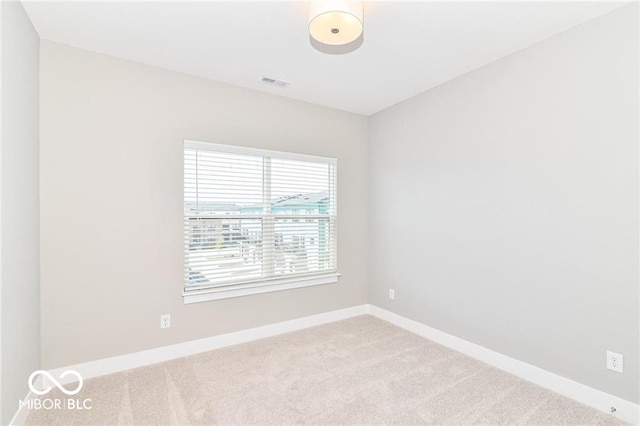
256, 221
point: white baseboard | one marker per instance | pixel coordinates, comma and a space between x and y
625, 410
21, 415
152, 356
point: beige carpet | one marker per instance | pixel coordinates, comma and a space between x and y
358, 371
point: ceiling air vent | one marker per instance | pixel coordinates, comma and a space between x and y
275, 83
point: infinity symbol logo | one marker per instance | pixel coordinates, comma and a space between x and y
56, 383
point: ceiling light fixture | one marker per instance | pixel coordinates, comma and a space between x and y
336, 22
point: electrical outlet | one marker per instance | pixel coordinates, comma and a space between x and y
165, 321
615, 362
392, 294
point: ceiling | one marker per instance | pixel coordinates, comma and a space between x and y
408, 47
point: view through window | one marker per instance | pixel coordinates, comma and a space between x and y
254, 217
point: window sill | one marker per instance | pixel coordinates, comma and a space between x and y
204, 295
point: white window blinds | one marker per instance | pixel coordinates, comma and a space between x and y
253, 217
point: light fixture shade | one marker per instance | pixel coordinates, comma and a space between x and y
335, 22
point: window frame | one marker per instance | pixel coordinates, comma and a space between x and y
263, 285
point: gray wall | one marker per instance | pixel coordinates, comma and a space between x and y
111, 202
19, 224
505, 204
